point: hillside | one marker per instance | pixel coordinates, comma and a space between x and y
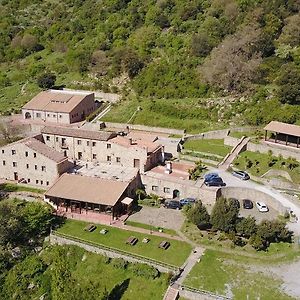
170, 49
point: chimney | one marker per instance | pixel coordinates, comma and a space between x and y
130, 141
168, 168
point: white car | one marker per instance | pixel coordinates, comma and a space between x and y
262, 207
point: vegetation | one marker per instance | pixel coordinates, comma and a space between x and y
198, 215
170, 49
235, 275
258, 164
197, 171
116, 238
10, 187
65, 272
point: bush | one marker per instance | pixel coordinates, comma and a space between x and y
119, 263
145, 271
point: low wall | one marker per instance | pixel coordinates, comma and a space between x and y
252, 194
209, 135
231, 141
276, 150
124, 126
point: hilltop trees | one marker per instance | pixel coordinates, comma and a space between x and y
46, 80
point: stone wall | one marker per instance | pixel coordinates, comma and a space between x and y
124, 126
253, 194
231, 141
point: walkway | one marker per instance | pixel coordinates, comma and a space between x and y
229, 158
102, 113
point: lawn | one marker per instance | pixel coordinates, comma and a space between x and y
10, 187
226, 274
175, 255
258, 164
189, 114
150, 227
215, 146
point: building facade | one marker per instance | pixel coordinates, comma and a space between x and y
31, 161
61, 107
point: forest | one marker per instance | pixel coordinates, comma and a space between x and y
157, 49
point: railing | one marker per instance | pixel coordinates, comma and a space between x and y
203, 292
118, 251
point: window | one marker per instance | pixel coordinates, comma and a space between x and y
54, 116
34, 155
28, 180
26, 153
47, 138
42, 182
48, 115
60, 117
35, 167
94, 156
2, 151
36, 182
79, 155
94, 144
108, 146
88, 143
44, 168
166, 190
78, 142
3, 162
27, 166
38, 115
56, 139
14, 163
47, 182
154, 188
108, 158
13, 152
118, 159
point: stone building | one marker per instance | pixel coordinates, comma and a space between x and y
61, 107
103, 146
31, 161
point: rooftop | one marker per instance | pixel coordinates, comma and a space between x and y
78, 133
56, 101
106, 171
87, 189
283, 128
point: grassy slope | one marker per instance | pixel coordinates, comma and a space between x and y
9, 187
260, 165
217, 269
175, 255
208, 146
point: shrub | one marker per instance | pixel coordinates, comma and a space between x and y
145, 271
119, 263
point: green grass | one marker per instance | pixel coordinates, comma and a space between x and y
150, 227
215, 146
260, 163
217, 270
9, 187
189, 114
176, 254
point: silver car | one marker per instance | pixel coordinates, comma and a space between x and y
241, 174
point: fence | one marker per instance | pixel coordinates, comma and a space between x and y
68, 239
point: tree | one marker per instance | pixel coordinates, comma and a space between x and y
140, 193
246, 227
233, 64
290, 34
196, 172
46, 80
224, 215
198, 215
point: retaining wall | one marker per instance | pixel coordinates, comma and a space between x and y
231, 141
124, 126
255, 195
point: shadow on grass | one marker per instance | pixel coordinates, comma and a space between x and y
118, 291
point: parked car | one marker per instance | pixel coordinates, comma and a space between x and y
261, 206
241, 174
211, 176
217, 181
247, 204
186, 201
172, 204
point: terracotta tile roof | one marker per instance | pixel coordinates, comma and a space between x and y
55, 101
43, 149
88, 189
283, 128
143, 144
78, 133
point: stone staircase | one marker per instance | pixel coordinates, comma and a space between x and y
171, 294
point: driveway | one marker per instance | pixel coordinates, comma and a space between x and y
232, 181
159, 217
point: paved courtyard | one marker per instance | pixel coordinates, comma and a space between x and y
159, 217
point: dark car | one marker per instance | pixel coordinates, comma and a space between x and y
247, 204
186, 201
241, 174
172, 204
215, 182
211, 176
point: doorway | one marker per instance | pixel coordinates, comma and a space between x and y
16, 177
176, 194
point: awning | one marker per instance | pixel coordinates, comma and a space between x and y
127, 201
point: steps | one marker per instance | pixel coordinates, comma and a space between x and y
171, 294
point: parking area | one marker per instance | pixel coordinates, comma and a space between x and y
259, 216
159, 217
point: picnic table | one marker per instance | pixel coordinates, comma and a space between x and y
164, 245
132, 240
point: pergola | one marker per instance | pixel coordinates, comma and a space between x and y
283, 133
